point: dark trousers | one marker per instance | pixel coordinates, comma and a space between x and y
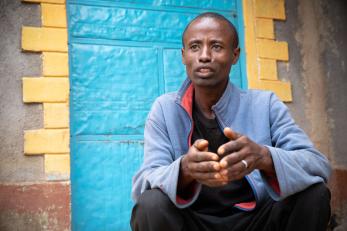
308, 210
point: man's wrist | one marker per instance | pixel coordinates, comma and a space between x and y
185, 178
266, 163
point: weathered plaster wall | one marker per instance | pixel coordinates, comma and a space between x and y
315, 31
15, 116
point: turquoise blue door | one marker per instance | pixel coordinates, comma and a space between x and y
122, 54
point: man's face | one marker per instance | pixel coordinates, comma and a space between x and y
208, 52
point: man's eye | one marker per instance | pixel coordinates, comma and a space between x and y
216, 47
194, 47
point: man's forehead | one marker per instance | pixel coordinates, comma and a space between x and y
207, 22
216, 26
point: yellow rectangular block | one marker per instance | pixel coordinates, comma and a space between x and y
44, 39
55, 64
272, 49
53, 15
47, 1
56, 115
46, 141
268, 69
37, 90
265, 28
270, 9
281, 89
57, 164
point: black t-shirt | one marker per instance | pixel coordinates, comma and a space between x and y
217, 200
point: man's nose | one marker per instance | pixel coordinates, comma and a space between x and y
205, 55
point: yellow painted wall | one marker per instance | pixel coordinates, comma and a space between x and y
262, 50
51, 89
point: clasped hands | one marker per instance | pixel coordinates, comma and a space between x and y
228, 164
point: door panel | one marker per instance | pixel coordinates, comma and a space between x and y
107, 89
100, 188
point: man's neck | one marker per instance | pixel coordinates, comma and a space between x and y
205, 98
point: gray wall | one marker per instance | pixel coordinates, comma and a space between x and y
316, 32
15, 116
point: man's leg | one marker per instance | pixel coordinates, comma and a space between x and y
308, 210
311, 210
154, 211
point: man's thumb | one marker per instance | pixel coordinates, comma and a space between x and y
201, 145
230, 134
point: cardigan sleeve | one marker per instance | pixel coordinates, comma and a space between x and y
298, 164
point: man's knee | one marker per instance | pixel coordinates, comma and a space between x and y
155, 211
317, 194
315, 198
153, 201
305, 210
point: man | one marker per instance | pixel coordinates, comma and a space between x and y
219, 158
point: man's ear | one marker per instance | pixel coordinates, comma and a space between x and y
183, 56
236, 55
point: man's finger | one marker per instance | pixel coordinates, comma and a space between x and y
204, 156
201, 145
230, 147
229, 133
199, 176
205, 166
232, 159
235, 172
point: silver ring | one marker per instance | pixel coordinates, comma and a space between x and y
245, 163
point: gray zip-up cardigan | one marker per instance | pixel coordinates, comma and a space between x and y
260, 115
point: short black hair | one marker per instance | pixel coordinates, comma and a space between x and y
218, 17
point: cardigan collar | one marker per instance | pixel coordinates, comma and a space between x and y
225, 109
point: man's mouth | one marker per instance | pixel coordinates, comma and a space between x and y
204, 69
